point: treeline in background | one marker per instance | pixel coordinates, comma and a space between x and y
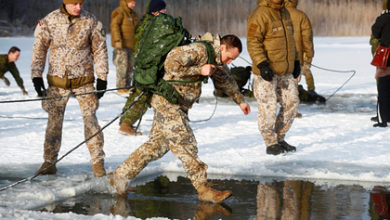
328, 17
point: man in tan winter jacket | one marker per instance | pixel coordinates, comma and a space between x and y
123, 22
77, 44
303, 35
271, 46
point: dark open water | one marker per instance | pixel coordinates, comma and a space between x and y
263, 198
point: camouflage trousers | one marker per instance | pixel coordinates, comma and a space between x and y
170, 131
282, 89
123, 59
137, 110
305, 70
56, 109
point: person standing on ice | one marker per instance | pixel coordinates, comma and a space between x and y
271, 46
77, 44
381, 30
123, 22
7, 63
171, 129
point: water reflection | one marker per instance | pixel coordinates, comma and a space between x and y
259, 199
284, 200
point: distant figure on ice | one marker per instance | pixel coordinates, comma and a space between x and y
7, 63
275, 66
77, 44
381, 31
123, 22
303, 36
171, 129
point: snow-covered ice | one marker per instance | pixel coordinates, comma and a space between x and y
335, 141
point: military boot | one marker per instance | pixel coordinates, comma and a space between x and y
208, 194
287, 146
119, 183
98, 169
127, 129
47, 169
275, 149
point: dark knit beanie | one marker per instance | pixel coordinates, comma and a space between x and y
72, 1
156, 5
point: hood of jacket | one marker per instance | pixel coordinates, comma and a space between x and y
123, 5
290, 3
266, 3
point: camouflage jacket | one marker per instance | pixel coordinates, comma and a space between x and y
77, 46
5, 66
184, 64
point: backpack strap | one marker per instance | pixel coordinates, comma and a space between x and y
210, 51
169, 92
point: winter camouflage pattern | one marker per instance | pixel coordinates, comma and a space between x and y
56, 109
123, 59
184, 63
224, 81
282, 89
170, 131
77, 46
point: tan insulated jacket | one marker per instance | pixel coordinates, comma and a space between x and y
77, 47
303, 33
270, 37
123, 23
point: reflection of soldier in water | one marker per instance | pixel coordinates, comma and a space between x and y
284, 200
147, 208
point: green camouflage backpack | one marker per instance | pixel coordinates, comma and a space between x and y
161, 34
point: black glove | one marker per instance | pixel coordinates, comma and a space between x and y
297, 69
100, 85
39, 86
265, 71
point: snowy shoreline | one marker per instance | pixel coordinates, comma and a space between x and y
336, 142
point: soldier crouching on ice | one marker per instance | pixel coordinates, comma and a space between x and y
77, 44
171, 129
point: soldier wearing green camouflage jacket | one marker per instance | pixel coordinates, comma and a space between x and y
7, 63
77, 44
123, 23
171, 130
140, 106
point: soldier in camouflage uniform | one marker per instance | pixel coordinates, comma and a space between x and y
139, 107
7, 63
171, 130
123, 22
271, 46
77, 44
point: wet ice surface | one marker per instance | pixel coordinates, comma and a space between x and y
174, 197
